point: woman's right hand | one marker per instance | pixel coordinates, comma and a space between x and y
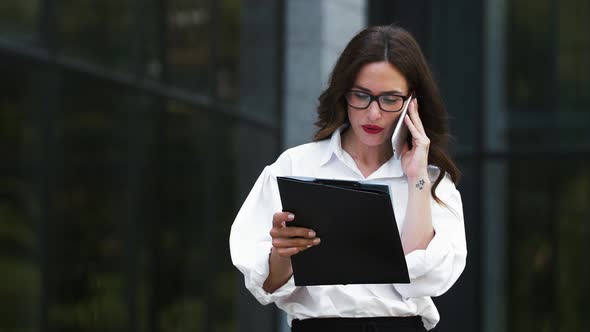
288, 241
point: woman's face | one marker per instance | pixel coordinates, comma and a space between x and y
373, 127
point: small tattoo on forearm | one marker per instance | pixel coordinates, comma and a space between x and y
420, 184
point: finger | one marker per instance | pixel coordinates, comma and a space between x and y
415, 117
300, 249
419, 137
279, 218
297, 232
287, 252
282, 242
413, 130
292, 232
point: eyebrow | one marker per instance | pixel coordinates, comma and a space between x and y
384, 92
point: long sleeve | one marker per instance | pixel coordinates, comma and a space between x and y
250, 241
435, 269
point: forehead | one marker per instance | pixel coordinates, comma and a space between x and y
381, 76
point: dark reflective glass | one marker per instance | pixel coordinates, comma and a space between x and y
188, 33
529, 78
573, 57
548, 236
227, 78
120, 217
89, 232
548, 95
196, 173
115, 205
100, 32
19, 20
20, 206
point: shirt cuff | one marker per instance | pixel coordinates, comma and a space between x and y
259, 275
420, 262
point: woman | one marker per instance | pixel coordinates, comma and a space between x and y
370, 84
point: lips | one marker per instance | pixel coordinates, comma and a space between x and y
372, 129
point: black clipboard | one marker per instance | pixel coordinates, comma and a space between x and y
357, 227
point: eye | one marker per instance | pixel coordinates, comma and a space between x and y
391, 99
360, 95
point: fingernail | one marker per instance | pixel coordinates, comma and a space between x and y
311, 234
309, 245
290, 216
316, 241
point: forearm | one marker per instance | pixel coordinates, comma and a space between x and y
417, 230
280, 272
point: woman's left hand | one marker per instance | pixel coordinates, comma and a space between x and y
415, 160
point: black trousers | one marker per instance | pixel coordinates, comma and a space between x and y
371, 324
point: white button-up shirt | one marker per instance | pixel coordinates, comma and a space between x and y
432, 271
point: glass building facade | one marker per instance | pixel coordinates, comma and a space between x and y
131, 131
119, 135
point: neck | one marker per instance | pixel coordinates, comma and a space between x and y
371, 156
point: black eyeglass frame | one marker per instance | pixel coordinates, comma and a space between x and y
376, 98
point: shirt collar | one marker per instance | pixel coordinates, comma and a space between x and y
334, 146
392, 167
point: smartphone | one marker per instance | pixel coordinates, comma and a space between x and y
400, 133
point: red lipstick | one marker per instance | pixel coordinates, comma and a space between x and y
372, 129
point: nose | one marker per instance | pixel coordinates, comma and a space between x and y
374, 111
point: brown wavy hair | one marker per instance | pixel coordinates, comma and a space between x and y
398, 47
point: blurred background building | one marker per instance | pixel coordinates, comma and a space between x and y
131, 131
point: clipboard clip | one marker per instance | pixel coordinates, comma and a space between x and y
338, 183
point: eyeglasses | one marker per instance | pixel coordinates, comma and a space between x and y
387, 102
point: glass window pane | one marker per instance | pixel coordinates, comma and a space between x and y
573, 284
115, 205
529, 77
20, 273
100, 32
548, 238
151, 44
574, 56
227, 80
187, 222
188, 32
19, 20
548, 94
175, 241
88, 236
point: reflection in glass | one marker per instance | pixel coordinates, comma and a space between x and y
100, 32
227, 80
188, 25
19, 20
19, 269
115, 205
529, 77
197, 176
548, 94
87, 239
574, 56
548, 234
